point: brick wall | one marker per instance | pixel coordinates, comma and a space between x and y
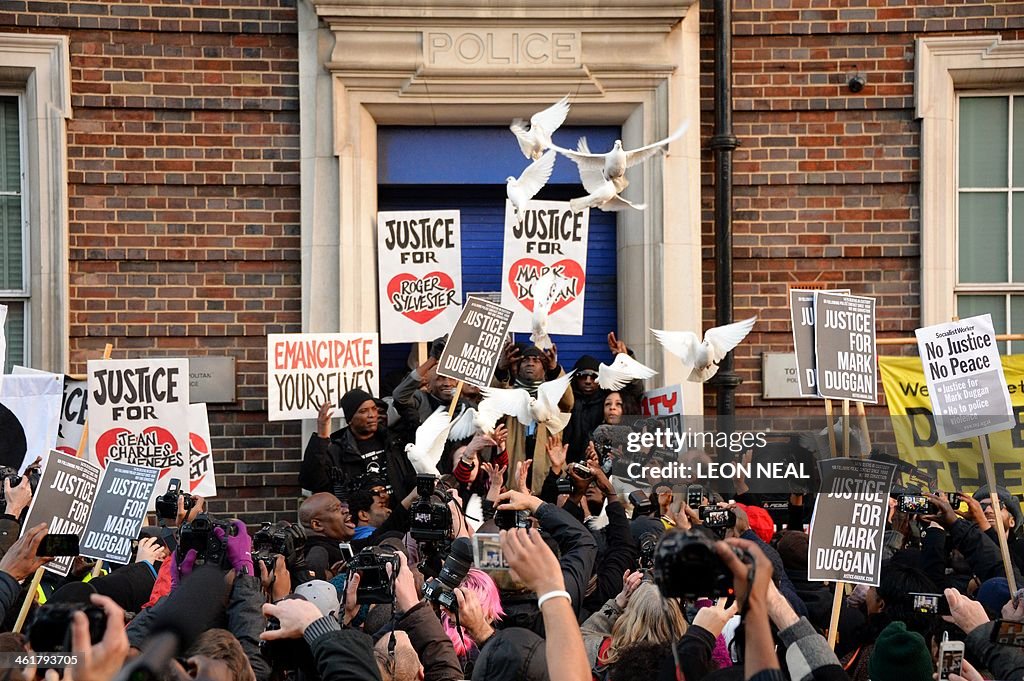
826, 181
184, 203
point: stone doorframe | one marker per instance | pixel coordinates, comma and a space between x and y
633, 64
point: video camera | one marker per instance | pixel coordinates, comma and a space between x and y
8, 473
686, 566
284, 539
167, 503
441, 589
377, 567
430, 515
198, 534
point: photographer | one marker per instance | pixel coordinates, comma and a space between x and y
242, 616
577, 553
363, 447
417, 619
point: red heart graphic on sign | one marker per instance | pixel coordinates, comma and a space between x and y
109, 439
524, 272
435, 289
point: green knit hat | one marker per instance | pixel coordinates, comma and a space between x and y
900, 655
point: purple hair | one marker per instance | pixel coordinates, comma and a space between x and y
480, 583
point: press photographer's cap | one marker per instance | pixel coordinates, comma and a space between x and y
321, 594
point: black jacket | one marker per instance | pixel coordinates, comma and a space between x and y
329, 464
341, 654
587, 414
435, 650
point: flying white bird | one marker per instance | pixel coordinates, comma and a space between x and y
702, 358
426, 451
483, 420
622, 372
601, 192
528, 410
545, 290
614, 163
520, 191
543, 124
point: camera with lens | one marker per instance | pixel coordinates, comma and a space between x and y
51, 629
199, 535
686, 566
377, 567
440, 589
430, 518
8, 473
648, 543
167, 503
284, 539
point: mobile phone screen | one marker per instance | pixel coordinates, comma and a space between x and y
58, 545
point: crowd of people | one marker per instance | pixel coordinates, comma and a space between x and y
521, 561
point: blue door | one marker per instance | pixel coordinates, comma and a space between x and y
465, 169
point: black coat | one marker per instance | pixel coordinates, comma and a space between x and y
329, 464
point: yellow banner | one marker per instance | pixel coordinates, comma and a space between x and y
957, 464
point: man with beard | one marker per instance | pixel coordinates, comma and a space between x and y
363, 448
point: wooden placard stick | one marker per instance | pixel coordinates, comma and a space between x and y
455, 400
990, 478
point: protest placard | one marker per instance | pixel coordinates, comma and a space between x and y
63, 500
550, 236
138, 414
419, 264
307, 369
848, 522
474, 345
117, 512
844, 347
72, 411
666, 405
201, 479
30, 417
801, 314
965, 378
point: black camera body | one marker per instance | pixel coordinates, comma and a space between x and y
377, 567
430, 518
641, 502
441, 589
8, 473
51, 629
167, 503
563, 485
284, 539
686, 566
198, 534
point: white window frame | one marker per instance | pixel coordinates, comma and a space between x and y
944, 67
24, 294
39, 67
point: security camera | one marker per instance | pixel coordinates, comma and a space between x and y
856, 83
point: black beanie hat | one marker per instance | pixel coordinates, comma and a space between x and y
586, 363
532, 351
352, 400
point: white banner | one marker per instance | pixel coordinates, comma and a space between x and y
550, 237
419, 265
138, 414
304, 370
72, 410
201, 480
33, 402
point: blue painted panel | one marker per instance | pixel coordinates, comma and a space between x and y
472, 155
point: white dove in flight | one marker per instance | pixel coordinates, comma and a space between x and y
543, 124
622, 372
528, 410
614, 163
702, 357
426, 451
520, 191
545, 290
483, 420
601, 192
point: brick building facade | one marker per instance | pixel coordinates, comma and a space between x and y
185, 203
